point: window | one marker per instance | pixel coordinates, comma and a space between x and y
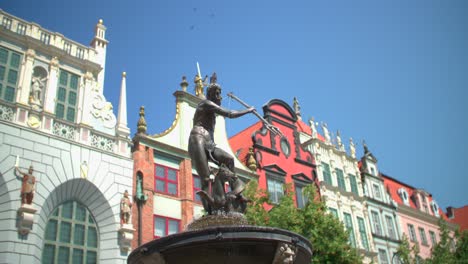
67, 47
10, 62
349, 226
164, 226
376, 223
6, 23
352, 181
435, 208
67, 96
71, 236
412, 233
422, 234
79, 53
196, 188
165, 180
45, 38
326, 173
383, 258
372, 170
376, 189
363, 233
301, 199
334, 212
390, 227
404, 195
433, 237
21, 29
275, 189
340, 179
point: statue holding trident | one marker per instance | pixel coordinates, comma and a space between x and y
202, 149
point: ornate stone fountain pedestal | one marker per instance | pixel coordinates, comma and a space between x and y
239, 244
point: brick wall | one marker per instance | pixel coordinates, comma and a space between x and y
143, 162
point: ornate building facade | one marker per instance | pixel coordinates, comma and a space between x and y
166, 183
385, 224
418, 213
341, 187
278, 160
65, 158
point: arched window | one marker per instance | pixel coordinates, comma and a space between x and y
71, 235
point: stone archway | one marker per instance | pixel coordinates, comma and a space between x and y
87, 194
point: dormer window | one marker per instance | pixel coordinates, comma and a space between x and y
435, 208
404, 195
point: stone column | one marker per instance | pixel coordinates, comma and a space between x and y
25, 77
51, 90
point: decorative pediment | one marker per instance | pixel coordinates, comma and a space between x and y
275, 169
301, 177
281, 109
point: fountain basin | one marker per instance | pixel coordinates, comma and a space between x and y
225, 244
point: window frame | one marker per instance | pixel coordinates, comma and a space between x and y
353, 183
376, 191
8, 90
363, 232
340, 179
326, 173
196, 189
422, 235
390, 227
166, 225
383, 261
276, 180
58, 216
376, 223
433, 237
166, 180
412, 233
348, 222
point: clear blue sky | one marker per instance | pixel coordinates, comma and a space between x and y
394, 73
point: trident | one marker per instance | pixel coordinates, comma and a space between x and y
268, 126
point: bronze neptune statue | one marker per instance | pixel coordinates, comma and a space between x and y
202, 149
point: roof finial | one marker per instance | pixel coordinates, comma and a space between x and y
366, 150
297, 108
141, 125
184, 83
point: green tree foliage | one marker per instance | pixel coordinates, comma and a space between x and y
406, 253
450, 249
461, 253
326, 233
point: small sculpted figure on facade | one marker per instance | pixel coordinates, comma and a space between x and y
37, 86
27, 185
313, 127
339, 143
352, 148
125, 208
326, 133
202, 149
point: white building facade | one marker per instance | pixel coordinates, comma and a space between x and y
341, 187
385, 223
55, 118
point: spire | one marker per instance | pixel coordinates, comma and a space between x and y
122, 127
99, 43
141, 125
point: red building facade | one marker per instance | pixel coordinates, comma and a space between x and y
279, 160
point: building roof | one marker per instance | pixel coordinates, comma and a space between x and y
393, 185
459, 216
